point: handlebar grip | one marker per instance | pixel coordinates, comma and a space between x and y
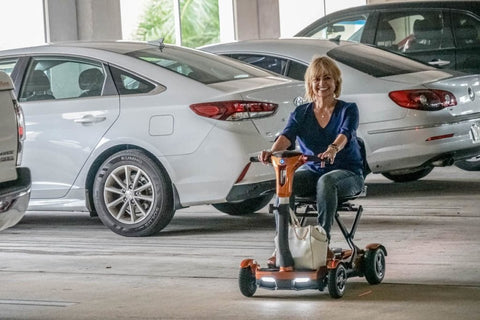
254, 159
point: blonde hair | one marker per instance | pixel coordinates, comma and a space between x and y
319, 66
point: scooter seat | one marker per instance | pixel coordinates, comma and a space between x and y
313, 200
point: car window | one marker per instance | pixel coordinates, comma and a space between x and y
203, 67
62, 78
296, 70
128, 83
8, 65
347, 28
376, 62
273, 64
409, 31
466, 29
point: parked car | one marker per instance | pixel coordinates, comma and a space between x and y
412, 116
133, 131
444, 34
15, 181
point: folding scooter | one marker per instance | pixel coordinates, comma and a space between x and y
340, 263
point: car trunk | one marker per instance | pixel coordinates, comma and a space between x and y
465, 88
276, 90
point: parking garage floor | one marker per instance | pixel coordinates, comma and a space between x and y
69, 266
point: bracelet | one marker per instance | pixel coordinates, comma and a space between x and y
334, 147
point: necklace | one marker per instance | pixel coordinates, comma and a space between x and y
325, 112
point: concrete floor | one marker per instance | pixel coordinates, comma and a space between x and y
69, 266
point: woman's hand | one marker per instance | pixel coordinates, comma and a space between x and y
329, 154
265, 156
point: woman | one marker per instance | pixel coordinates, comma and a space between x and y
326, 127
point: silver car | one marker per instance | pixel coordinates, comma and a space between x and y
412, 117
133, 131
15, 180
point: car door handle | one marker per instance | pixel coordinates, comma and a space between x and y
439, 63
87, 119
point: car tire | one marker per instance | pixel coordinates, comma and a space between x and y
472, 164
243, 207
408, 177
133, 195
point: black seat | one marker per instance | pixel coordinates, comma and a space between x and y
91, 82
385, 35
307, 207
37, 87
343, 203
428, 35
467, 36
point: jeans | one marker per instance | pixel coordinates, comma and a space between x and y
329, 188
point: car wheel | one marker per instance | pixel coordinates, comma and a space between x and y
133, 195
407, 177
244, 207
337, 280
472, 164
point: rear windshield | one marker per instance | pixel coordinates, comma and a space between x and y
199, 66
376, 62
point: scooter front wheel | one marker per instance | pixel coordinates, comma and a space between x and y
247, 282
337, 280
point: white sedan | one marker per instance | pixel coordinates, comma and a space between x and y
133, 131
412, 117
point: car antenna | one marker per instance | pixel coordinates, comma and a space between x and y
336, 39
159, 43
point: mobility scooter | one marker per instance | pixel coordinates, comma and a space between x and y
340, 263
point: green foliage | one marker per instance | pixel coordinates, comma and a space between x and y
199, 22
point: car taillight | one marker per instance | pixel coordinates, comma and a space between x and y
423, 99
234, 110
20, 130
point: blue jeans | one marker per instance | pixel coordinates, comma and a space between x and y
329, 188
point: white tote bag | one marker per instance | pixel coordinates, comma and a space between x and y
308, 245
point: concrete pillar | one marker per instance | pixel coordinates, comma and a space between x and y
60, 20
82, 20
256, 19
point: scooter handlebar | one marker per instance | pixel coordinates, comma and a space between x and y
307, 159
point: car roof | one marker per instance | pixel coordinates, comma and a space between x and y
300, 48
121, 47
414, 4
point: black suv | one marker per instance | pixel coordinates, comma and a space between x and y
445, 34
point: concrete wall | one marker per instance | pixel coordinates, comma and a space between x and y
256, 19
82, 20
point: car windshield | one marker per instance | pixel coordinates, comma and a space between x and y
376, 62
198, 66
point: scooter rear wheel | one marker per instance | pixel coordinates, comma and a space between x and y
337, 280
247, 282
375, 265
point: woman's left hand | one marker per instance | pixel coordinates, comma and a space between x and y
328, 155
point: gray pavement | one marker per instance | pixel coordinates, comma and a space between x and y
69, 266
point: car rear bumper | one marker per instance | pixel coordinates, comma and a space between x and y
422, 146
250, 190
14, 198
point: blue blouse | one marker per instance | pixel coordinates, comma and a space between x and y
303, 127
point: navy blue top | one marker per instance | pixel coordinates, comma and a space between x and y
303, 127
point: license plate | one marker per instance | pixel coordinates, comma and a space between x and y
475, 132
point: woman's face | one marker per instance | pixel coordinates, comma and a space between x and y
323, 85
